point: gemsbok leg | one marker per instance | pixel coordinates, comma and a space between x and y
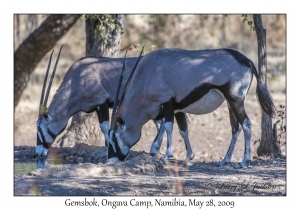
236, 103
168, 109
103, 117
236, 130
183, 130
156, 144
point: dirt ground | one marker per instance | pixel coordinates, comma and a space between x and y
82, 171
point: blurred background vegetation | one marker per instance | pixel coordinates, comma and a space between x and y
189, 32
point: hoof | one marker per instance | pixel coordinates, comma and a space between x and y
154, 149
112, 160
224, 162
167, 157
41, 163
190, 156
245, 164
153, 154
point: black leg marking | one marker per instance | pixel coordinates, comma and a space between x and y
181, 119
237, 106
155, 147
103, 112
236, 130
103, 117
168, 109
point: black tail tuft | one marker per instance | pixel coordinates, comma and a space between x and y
263, 95
265, 99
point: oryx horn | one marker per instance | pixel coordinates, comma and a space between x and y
113, 125
118, 91
130, 77
42, 108
51, 79
43, 105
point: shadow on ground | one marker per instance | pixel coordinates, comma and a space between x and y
82, 171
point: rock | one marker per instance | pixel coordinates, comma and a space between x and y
70, 158
79, 160
159, 166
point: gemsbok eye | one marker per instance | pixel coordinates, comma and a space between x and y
121, 122
46, 117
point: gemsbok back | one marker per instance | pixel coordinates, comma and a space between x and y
89, 85
168, 81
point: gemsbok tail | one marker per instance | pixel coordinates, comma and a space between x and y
263, 95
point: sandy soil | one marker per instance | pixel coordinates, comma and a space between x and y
82, 170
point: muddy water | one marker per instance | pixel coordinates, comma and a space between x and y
23, 168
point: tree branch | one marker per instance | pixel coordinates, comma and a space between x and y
35, 46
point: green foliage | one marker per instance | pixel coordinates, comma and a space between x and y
252, 28
106, 25
281, 113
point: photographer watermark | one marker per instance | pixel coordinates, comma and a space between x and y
245, 185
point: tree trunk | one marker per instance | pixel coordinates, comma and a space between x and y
35, 46
268, 140
17, 28
85, 127
95, 46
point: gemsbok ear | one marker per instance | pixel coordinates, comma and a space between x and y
120, 120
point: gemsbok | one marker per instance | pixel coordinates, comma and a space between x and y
89, 85
168, 81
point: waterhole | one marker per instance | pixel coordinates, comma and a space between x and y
23, 168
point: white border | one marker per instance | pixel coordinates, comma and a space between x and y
137, 7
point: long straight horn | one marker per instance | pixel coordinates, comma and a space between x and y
44, 85
51, 79
118, 91
130, 77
